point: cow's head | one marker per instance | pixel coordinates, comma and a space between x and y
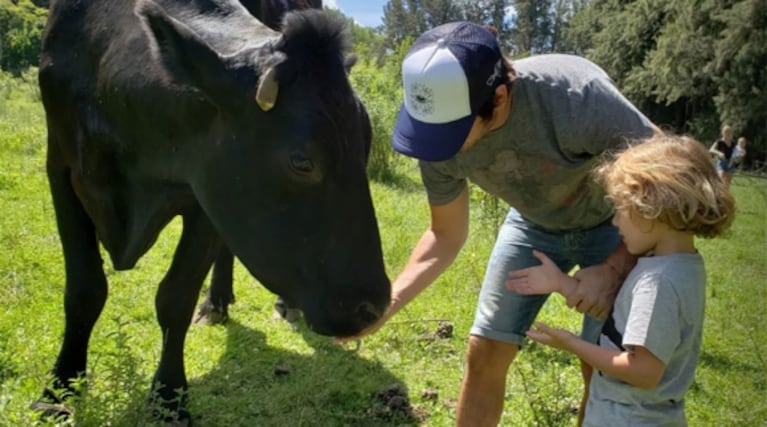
280, 167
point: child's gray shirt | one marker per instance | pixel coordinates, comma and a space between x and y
659, 307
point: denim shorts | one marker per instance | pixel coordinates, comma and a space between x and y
724, 166
504, 315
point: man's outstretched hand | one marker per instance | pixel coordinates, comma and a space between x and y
367, 331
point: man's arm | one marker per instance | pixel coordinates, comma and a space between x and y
435, 251
598, 285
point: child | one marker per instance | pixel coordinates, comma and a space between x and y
738, 153
665, 192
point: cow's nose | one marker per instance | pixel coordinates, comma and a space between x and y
367, 313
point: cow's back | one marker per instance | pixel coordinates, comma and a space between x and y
116, 115
97, 58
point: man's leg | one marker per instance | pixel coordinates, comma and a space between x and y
502, 319
484, 382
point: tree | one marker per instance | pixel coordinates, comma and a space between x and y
532, 26
21, 28
739, 70
413, 17
410, 18
540, 26
690, 65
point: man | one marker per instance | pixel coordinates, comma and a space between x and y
529, 135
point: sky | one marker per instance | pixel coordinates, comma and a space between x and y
367, 13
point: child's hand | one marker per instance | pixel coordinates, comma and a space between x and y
558, 338
541, 279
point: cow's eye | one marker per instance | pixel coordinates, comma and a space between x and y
299, 163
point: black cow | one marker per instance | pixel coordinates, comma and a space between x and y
254, 137
271, 12
215, 308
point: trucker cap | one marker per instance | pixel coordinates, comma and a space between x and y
448, 74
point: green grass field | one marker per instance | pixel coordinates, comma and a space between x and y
232, 368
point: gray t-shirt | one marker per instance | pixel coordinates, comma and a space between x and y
659, 307
565, 112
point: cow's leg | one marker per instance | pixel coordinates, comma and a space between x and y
175, 301
215, 309
283, 310
85, 290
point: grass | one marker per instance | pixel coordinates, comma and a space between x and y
258, 371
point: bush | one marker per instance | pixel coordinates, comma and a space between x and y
376, 79
379, 92
21, 30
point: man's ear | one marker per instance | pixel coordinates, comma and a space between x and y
501, 96
501, 104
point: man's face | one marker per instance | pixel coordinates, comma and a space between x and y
481, 127
478, 130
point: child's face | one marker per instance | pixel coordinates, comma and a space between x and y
640, 235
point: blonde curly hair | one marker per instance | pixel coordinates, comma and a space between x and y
670, 179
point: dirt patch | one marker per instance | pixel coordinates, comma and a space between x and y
444, 331
391, 402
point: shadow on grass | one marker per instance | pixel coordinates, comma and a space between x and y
724, 364
257, 384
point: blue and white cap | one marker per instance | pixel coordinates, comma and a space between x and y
448, 74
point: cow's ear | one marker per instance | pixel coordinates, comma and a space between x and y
188, 59
349, 62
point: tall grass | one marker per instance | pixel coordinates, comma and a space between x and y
258, 371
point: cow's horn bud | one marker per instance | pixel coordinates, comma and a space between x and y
268, 88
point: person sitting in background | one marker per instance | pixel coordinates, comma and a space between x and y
665, 192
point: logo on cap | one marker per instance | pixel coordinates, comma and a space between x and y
421, 99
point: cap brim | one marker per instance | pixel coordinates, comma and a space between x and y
429, 141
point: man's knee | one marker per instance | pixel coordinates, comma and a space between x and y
489, 356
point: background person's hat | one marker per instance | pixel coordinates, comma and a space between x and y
448, 74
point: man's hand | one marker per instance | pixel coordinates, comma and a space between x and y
558, 338
372, 328
541, 279
596, 290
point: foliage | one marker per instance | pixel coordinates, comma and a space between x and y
376, 79
405, 19
690, 65
21, 27
539, 26
740, 70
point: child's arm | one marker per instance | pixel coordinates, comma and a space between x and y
639, 368
540, 279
